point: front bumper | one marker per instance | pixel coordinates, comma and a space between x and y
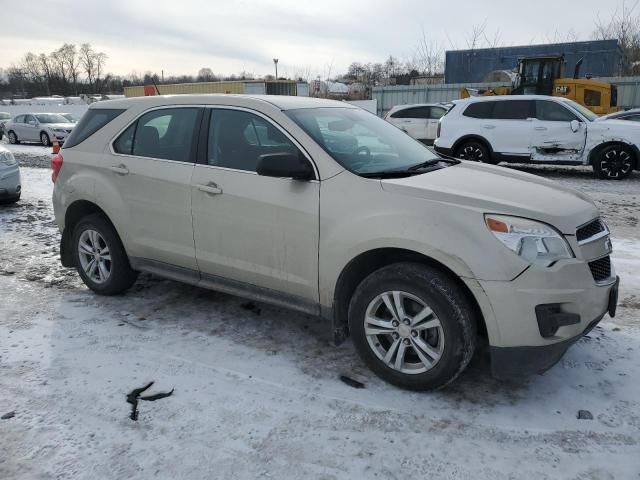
532, 320
10, 185
443, 151
513, 362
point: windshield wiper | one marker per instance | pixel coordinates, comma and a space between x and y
432, 162
387, 174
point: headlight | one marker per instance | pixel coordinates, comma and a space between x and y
535, 242
59, 130
6, 158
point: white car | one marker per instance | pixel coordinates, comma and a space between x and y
39, 127
4, 117
420, 121
632, 115
539, 129
10, 187
324, 208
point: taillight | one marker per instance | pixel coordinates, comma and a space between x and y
439, 128
56, 165
385, 116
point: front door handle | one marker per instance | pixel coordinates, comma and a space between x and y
211, 188
119, 169
540, 128
489, 127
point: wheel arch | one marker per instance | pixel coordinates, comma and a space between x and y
472, 137
75, 212
368, 262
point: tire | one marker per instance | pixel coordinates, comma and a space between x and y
44, 139
614, 162
13, 138
449, 331
474, 151
10, 201
117, 275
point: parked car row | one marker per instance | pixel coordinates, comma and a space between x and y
324, 208
44, 128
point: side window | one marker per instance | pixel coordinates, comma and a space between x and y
167, 134
19, 119
592, 98
512, 110
30, 119
237, 139
436, 113
479, 110
553, 112
124, 143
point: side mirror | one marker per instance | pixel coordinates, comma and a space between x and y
284, 165
575, 125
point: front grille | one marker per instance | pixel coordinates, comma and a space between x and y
589, 230
601, 269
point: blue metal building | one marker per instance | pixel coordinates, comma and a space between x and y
602, 58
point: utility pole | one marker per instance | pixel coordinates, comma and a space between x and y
275, 62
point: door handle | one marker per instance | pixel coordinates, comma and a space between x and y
489, 127
540, 128
119, 169
211, 188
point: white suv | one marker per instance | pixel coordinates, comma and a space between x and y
540, 129
420, 121
327, 209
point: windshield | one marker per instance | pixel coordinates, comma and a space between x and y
582, 110
360, 141
51, 118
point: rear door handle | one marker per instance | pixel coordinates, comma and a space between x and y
119, 169
541, 128
211, 188
489, 127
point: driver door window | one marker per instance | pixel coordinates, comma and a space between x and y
237, 139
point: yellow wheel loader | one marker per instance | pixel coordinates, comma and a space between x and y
544, 75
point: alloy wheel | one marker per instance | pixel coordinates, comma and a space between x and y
95, 258
404, 332
471, 152
44, 138
616, 163
12, 138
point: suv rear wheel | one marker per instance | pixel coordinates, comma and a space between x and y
614, 162
413, 326
100, 257
474, 151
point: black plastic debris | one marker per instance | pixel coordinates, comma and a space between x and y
351, 382
584, 415
8, 415
134, 396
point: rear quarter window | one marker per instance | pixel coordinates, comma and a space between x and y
92, 121
479, 110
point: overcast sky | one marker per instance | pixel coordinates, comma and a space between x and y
181, 36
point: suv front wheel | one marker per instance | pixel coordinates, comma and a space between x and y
100, 257
412, 326
614, 162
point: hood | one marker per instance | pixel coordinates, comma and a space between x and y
502, 190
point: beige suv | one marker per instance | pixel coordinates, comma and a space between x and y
327, 209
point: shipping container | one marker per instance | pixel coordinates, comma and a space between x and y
249, 87
602, 58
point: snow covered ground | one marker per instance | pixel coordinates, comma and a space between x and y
257, 389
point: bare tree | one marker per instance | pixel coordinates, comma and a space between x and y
205, 74
624, 26
429, 56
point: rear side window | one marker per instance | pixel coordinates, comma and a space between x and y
479, 110
92, 121
512, 110
435, 113
548, 111
167, 134
415, 112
